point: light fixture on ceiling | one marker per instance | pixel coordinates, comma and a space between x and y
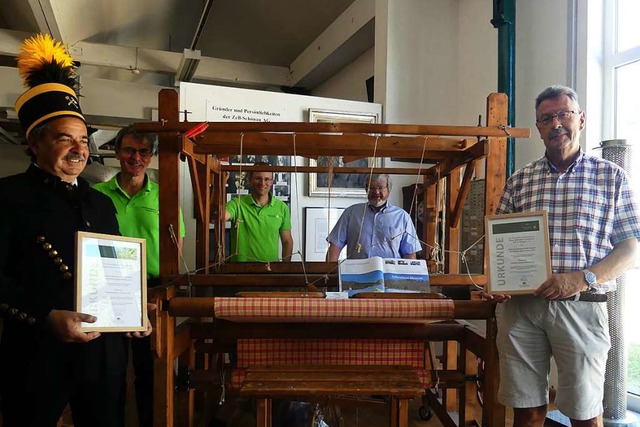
188, 65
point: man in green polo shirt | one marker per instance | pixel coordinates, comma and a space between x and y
259, 220
136, 199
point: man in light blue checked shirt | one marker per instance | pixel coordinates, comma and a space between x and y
593, 229
375, 228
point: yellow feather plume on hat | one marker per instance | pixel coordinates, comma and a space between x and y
42, 55
49, 73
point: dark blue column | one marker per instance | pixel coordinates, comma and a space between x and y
504, 19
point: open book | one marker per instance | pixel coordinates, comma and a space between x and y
383, 275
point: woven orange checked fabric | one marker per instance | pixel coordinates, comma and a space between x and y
331, 352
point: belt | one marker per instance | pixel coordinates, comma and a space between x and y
587, 297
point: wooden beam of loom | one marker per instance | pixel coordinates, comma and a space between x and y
445, 167
188, 149
456, 213
223, 331
264, 281
315, 145
278, 268
283, 280
326, 169
174, 126
204, 306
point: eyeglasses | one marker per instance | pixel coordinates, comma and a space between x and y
376, 189
561, 115
130, 151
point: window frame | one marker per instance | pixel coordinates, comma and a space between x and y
612, 60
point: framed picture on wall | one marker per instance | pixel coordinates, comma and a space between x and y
340, 184
319, 223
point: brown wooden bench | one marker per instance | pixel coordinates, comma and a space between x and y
400, 383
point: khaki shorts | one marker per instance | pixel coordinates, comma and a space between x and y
575, 333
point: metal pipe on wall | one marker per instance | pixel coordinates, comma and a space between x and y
504, 19
618, 151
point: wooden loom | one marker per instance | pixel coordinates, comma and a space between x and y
451, 149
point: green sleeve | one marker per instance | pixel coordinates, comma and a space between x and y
286, 218
232, 207
183, 232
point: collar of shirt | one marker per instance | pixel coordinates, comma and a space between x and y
269, 203
552, 168
47, 176
378, 209
115, 186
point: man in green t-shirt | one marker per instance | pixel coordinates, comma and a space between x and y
136, 199
259, 219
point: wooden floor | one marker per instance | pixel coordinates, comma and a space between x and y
239, 414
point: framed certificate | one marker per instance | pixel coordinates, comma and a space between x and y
519, 259
111, 282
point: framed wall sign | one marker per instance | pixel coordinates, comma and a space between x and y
519, 254
340, 184
111, 282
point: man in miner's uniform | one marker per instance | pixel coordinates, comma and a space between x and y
45, 360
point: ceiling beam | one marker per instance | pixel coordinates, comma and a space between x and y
44, 11
351, 22
103, 101
10, 41
159, 61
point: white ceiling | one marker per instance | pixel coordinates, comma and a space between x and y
263, 32
270, 44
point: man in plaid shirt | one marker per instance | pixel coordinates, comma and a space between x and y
593, 229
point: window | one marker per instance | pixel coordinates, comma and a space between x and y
622, 96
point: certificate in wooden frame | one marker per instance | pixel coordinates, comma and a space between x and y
342, 184
519, 258
111, 282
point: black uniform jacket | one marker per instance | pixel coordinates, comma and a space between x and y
39, 217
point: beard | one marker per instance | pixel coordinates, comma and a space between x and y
376, 203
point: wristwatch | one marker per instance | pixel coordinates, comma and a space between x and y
591, 279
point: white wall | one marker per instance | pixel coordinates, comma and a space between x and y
542, 59
477, 70
417, 56
349, 83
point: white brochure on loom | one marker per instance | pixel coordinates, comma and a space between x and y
378, 274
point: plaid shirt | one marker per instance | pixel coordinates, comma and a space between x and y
590, 209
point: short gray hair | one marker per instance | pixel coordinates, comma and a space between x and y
556, 91
377, 177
